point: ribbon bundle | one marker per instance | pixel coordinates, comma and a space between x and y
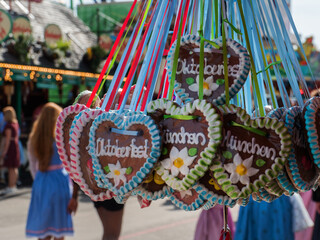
193, 127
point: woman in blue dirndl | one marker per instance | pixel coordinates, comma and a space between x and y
51, 201
265, 221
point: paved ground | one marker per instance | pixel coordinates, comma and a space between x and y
159, 221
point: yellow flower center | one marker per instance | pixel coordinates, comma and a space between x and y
178, 163
241, 170
149, 179
157, 179
213, 182
206, 85
116, 172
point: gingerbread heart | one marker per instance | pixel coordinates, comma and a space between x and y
81, 161
153, 187
252, 153
283, 180
124, 150
191, 135
187, 73
311, 114
63, 126
188, 200
303, 171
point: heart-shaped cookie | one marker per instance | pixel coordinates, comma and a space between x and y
283, 180
188, 200
251, 154
123, 150
153, 187
187, 73
81, 161
311, 114
63, 126
190, 137
303, 171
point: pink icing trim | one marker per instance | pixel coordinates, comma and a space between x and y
59, 134
75, 163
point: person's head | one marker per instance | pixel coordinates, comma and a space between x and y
9, 114
43, 134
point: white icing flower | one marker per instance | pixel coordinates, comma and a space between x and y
117, 173
178, 161
185, 193
241, 169
208, 86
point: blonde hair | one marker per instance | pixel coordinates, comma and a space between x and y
43, 134
10, 115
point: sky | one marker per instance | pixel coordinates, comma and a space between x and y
306, 14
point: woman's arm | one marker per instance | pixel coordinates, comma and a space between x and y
33, 162
6, 142
73, 203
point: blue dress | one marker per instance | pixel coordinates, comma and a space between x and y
51, 192
265, 221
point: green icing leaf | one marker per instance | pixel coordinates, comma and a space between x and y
220, 81
227, 155
260, 162
192, 152
129, 170
164, 151
190, 80
106, 168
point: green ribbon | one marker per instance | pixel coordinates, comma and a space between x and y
175, 60
232, 26
225, 58
270, 65
250, 129
216, 8
117, 52
273, 98
207, 40
201, 57
180, 117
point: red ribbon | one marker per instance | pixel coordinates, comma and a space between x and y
135, 62
115, 45
123, 66
225, 235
